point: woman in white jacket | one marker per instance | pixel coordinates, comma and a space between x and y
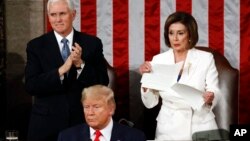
177, 120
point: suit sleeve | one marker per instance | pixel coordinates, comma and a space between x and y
101, 65
149, 98
212, 80
60, 138
39, 81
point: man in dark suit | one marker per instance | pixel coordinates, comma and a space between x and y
99, 106
56, 80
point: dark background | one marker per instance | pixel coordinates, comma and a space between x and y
15, 104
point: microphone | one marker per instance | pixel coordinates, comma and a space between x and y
126, 122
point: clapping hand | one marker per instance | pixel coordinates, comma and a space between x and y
76, 55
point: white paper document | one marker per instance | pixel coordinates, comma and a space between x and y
192, 96
162, 76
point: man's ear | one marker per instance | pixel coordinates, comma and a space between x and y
74, 14
112, 110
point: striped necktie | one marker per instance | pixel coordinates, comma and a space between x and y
97, 135
65, 50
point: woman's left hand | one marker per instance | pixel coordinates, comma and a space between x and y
208, 97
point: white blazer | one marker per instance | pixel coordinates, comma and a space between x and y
176, 119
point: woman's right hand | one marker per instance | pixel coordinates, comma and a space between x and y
145, 67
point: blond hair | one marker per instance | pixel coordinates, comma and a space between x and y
99, 92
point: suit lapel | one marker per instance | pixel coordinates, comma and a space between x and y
115, 135
77, 39
80, 39
52, 49
85, 133
190, 65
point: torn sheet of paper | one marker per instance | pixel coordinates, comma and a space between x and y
162, 76
192, 96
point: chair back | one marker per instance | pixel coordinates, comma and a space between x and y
226, 111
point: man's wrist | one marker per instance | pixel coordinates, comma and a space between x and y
80, 65
60, 71
78, 68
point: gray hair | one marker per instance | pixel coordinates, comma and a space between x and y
69, 3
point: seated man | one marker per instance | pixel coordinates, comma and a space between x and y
99, 106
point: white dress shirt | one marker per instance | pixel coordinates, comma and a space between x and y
106, 132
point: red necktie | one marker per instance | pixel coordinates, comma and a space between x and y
97, 135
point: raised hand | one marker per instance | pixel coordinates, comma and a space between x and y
145, 67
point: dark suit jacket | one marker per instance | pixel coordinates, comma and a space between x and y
57, 104
119, 133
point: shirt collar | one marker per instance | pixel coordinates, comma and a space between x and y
69, 37
106, 132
